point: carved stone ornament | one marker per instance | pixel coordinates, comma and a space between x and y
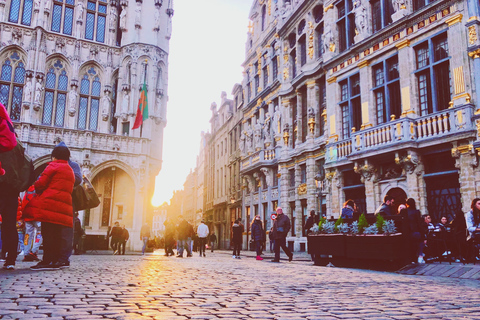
302, 189
367, 171
286, 134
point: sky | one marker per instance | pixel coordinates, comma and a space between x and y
207, 49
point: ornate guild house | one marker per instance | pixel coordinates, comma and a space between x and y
353, 99
72, 71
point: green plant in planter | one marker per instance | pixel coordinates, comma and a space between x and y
337, 223
354, 227
320, 223
389, 227
380, 222
362, 223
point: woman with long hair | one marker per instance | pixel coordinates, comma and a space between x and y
472, 219
257, 235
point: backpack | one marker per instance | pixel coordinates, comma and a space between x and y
19, 171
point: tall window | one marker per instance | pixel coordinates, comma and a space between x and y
382, 11
23, 9
89, 100
322, 105
113, 110
303, 173
418, 4
265, 73
302, 44
257, 78
275, 68
264, 17
96, 18
12, 80
345, 24
55, 95
319, 35
293, 59
291, 177
350, 105
433, 74
62, 16
304, 114
386, 90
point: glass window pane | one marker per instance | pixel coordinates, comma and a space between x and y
82, 113
102, 8
91, 6
89, 26
48, 108
93, 115
422, 57
4, 92
380, 104
355, 83
16, 103
56, 18
6, 71
19, 74
14, 11
68, 22
441, 48
27, 12
378, 76
63, 81
96, 87
424, 93
60, 109
345, 121
344, 90
51, 79
101, 28
392, 66
70, 2
85, 86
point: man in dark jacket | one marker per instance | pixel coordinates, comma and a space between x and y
124, 239
237, 232
385, 208
184, 231
116, 234
281, 226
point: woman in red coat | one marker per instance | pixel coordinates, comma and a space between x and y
53, 206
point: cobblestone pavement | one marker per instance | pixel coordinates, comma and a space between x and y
219, 287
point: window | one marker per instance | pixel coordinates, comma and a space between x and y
418, 4
89, 100
350, 105
386, 90
264, 17
303, 173
249, 87
113, 109
96, 18
382, 11
275, 177
12, 80
19, 9
265, 76
319, 36
55, 95
275, 67
322, 105
125, 128
291, 175
119, 212
62, 16
293, 103
302, 44
257, 79
303, 92
433, 74
345, 24
293, 59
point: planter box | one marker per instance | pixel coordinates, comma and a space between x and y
376, 247
327, 244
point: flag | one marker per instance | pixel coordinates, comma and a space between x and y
142, 111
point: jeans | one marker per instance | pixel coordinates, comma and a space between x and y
258, 247
21, 238
8, 209
202, 243
145, 240
66, 244
212, 245
34, 237
236, 248
281, 243
121, 247
184, 244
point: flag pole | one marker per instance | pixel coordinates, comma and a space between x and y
144, 81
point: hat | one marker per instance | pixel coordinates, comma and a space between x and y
279, 208
61, 151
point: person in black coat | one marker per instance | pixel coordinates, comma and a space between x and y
415, 230
258, 235
281, 226
237, 230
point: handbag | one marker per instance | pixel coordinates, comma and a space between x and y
84, 196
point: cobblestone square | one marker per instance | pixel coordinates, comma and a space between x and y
219, 287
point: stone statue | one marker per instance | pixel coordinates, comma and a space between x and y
106, 103
72, 101
37, 4
123, 19
113, 18
266, 127
27, 91
360, 17
156, 25
138, 14
258, 136
328, 40
125, 103
38, 91
248, 138
241, 145
277, 121
79, 11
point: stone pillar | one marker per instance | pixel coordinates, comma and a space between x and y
298, 204
406, 79
312, 203
366, 95
465, 162
333, 180
283, 186
299, 125
367, 172
333, 112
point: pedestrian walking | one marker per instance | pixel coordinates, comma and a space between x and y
123, 240
202, 233
169, 237
212, 239
258, 235
144, 236
281, 226
311, 221
53, 207
237, 231
33, 235
183, 232
116, 236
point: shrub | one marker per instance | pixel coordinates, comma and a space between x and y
362, 223
343, 228
389, 227
354, 227
328, 227
371, 229
337, 223
380, 222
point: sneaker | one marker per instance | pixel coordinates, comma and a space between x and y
234, 257
44, 266
9, 267
259, 258
290, 258
30, 257
238, 257
204, 255
421, 260
63, 265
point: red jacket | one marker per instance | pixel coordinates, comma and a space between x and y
53, 202
8, 141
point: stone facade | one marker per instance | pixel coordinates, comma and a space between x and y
72, 71
356, 100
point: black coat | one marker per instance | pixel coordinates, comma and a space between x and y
257, 231
281, 226
237, 230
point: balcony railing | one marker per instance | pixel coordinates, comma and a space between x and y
45, 135
403, 130
262, 156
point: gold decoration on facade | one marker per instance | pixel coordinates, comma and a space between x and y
472, 35
458, 80
454, 20
285, 137
402, 44
477, 123
250, 27
311, 40
331, 47
302, 189
474, 54
311, 125
269, 7
285, 73
331, 80
330, 6
363, 64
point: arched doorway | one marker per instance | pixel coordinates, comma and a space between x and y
400, 198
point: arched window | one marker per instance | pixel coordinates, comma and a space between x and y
55, 95
23, 9
12, 80
62, 16
96, 19
264, 17
89, 100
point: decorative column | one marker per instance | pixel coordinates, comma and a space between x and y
473, 45
367, 172
365, 94
79, 18
299, 191
299, 125
465, 161
412, 168
406, 78
311, 186
112, 22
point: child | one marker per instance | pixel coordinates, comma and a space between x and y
53, 206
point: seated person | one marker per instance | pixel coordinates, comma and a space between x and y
443, 231
431, 247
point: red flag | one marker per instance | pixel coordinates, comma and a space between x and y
142, 111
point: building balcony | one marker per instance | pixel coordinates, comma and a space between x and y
45, 136
450, 124
258, 158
